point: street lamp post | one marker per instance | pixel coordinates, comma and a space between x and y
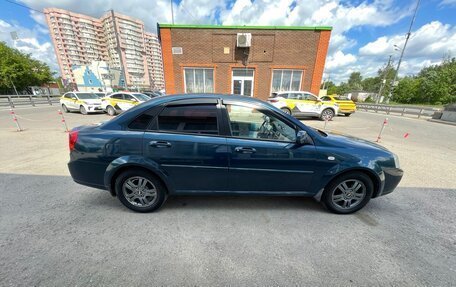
402, 52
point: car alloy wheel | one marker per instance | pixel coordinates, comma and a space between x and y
139, 191
286, 111
348, 194
111, 111
83, 110
327, 114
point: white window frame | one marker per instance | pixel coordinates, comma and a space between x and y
233, 78
204, 78
281, 79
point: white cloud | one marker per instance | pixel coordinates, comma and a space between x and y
447, 3
28, 43
339, 60
427, 46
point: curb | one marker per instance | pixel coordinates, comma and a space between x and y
442, 122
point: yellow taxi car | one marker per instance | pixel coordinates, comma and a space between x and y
346, 106
304, 104
84, 102
122, 101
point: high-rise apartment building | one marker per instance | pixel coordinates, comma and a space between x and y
118, 39
154, 61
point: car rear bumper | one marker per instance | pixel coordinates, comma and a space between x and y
392, 178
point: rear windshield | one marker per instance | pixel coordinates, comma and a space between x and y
86, 96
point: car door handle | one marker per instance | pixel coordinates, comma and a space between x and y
159, 144
245, 149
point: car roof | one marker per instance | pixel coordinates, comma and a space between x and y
177, 97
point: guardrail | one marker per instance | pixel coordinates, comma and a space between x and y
13, 101
402, 110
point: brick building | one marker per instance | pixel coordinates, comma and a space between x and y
249, 60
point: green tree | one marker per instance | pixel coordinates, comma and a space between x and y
355, 81
407, 90
21, 69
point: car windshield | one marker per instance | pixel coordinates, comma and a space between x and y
87, 96
141, 97
100, 95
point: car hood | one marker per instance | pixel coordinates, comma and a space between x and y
340, 139
92, 101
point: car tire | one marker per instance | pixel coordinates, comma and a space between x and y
286, 111
140, 200
65, 109
347, 114
83, 110
111, 111
327, 115
338, 199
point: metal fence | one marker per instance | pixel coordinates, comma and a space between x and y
13, 101
401, 110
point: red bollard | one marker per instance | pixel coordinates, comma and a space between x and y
63, 121
385, 122
18, 126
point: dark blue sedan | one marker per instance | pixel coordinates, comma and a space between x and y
224, 144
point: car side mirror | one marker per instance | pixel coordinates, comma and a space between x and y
302, 138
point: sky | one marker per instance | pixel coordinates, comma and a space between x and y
363, 36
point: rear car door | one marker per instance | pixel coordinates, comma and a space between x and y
186, 142
264, 156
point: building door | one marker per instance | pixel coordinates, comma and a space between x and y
242, 82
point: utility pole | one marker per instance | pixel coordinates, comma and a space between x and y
385, 74
119, 51
172, 11
407, 36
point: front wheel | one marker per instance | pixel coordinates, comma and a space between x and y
286, 111
140, 191
65, 109
83, 110
111, 111
348, 193
327, 115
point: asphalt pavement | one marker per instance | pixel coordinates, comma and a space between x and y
54, 232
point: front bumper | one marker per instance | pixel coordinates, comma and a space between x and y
392, 178
94, 109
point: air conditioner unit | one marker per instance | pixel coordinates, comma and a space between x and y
244, 40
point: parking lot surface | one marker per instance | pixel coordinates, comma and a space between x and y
54, 232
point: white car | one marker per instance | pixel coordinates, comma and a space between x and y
122, 101
300, 103
79, 101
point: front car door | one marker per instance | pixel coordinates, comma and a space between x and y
186, 142
264, 156
73, 102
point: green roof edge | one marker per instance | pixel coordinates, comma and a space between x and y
184, 26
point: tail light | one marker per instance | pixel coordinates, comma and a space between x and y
73, 138
273, 100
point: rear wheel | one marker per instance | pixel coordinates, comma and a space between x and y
347, 114
286, 110
348, 193
65, 109
140, 191
327, 115
111, 111
83, 110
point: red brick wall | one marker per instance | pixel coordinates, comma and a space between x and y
271, 49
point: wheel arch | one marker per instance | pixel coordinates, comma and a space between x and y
124, 163
375, 178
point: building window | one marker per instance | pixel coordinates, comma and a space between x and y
199, 80
286, 80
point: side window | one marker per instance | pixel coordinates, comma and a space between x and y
117, 96
142, 122
246, 122
295, 96
67, 96
309, 97
73, 96
326, 99
195, 119
128, 97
